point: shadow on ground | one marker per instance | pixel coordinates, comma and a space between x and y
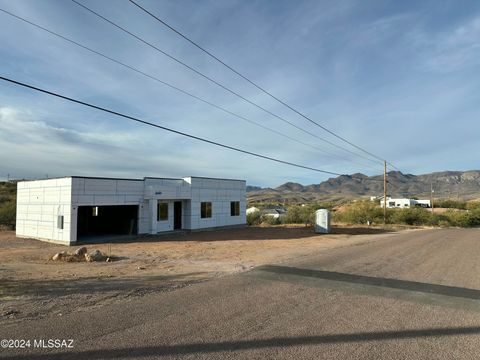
452, 291
241, 345
54, 288
244, 233
359, 230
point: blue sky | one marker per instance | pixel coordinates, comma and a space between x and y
401, 79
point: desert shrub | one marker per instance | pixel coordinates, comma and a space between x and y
360, 212
451, 204
299, 215
441, 220
8, 214
410, 216
464, 218
473, 205
475, 217
329, 205
254, 218
270, 220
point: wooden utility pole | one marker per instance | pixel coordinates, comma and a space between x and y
431, 195
384, 193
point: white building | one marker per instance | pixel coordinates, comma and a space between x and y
405, 203
397, 203
71, 209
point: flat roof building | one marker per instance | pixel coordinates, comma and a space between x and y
71, 209
405, 203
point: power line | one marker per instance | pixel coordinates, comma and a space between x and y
254, 83
175, 87
164, 127
216, 82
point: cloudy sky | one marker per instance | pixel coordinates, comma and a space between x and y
401, 79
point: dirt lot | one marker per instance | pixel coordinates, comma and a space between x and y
32, 285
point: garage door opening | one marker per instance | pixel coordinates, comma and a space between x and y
98, 221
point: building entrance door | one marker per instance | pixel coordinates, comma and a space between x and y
177, 215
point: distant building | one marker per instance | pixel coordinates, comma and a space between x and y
70, 209
405, 203
275, 212
423, 203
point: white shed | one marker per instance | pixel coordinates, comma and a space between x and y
322, 221
71, 209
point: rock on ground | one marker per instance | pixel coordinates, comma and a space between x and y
81, 251
95, 255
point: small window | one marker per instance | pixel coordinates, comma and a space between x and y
206, 210
234, 208
60, 222
95, 211
162, 211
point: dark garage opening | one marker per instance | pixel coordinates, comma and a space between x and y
106, 220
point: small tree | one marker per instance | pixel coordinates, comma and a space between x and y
300, 215
411, 216
8, 214
270, 220
360, 212
254, 218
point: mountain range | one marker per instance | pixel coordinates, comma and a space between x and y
445, 184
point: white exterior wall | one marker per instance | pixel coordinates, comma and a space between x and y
164, 190
39, 203
398, 203
220, 193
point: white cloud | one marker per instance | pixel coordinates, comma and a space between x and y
449, 50
352, 68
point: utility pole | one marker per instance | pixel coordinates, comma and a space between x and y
384, 193
431, 195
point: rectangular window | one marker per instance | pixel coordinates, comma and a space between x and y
60, 222
206, 210
234, 208
162, 211
95, 211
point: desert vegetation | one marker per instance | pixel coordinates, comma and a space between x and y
296, 214
454, 213
459, 214
8, 190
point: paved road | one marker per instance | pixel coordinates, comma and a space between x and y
413, 295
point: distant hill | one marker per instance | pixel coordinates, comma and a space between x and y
253, 188
446, 184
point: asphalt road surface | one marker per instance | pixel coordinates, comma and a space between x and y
410, 295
